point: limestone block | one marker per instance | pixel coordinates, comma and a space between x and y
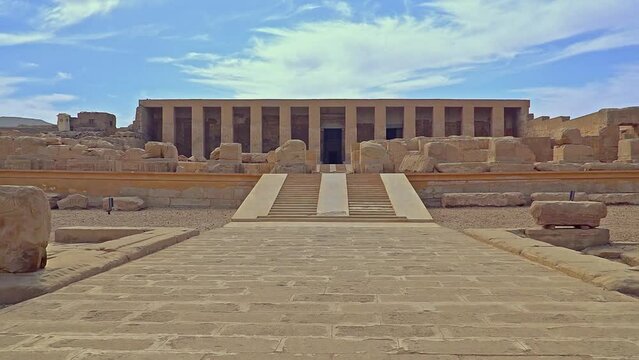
191, 167
73, 202
372, 153
163, 150
292, 152
223, 167
124, 203
17, 164
231, 152
215, 154
628, 150
258, 168
372, 168
540, 146
568, 213
557, 196
106, 154
25, 225
475, 155
7, 147
553, 166
96, 143
630, 257
443, 152
81, 165
511, 150
465, 143
575, 239
568, 137
613, 166
53, 199
616, 198
133, 154
483, 199
510, 167
290, 169
28, 145
573, 154
60, 151
159, 165
413, 143
465, 167
397, 150
417, 163
78, 149
254, 158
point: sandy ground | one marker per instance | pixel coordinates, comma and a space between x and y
623, 221
201, 219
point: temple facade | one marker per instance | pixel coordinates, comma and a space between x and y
330, 127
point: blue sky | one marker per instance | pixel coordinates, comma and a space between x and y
568, 57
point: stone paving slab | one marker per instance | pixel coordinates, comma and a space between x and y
323, 292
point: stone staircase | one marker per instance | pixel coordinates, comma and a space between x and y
297, 198
368, 199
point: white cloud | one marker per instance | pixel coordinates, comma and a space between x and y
69, 12
620, 90
29, 65
60, 75
43, 107
192, 56
391, 56
23, 38
341, 7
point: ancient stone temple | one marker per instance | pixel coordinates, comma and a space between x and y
329, 127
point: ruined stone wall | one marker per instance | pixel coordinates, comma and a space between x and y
99, 121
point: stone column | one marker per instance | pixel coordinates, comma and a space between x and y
409, 122
227, 123
468, 121
256, 129
197, 131
497, 121
314, 131
285, 124
380, 122
168, 124
350, 130
439, 120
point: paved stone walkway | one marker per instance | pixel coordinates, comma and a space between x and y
337, 292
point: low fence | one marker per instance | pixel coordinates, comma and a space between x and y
229, 190
157, 189
430, 187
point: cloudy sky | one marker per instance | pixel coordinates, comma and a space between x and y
569, 57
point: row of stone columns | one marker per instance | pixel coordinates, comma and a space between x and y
314, 129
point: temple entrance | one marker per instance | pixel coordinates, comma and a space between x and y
332, 150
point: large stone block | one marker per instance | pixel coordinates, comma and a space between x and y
575, 239
290, 169
7, 147
254, 158
292, 152
475, 155
124, 203
28, 145
628, 150
616, 198
553, 166
557, 196
73, 202
573, 154
465, 167
133, 154
540, 146
568, 137
568, 213
443, 152
397, 150
231, 152
509, 150
163, 150
417, 163
25, 225
613, 166
483, 199
223, 167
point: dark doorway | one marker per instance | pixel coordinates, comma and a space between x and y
394, 133
332, 153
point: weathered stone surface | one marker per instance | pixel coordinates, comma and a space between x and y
568, 136
626, 282
164, 150
616, 198
292, 152
215, 154
397, 150
124, 203
257, 168
223, 167
290, 169
53, 199
191, 167
510, 167
417, 163
628, 150
374, 158
619, 166
73, 201
97, 143
254, 158
554, 166
231, 152
573, 154
509, 150
483, 199
630, 257
25, 224
568, 213
557, 196
575, 239
465, 167
540, 146
475, 155
28, 145
443, 152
